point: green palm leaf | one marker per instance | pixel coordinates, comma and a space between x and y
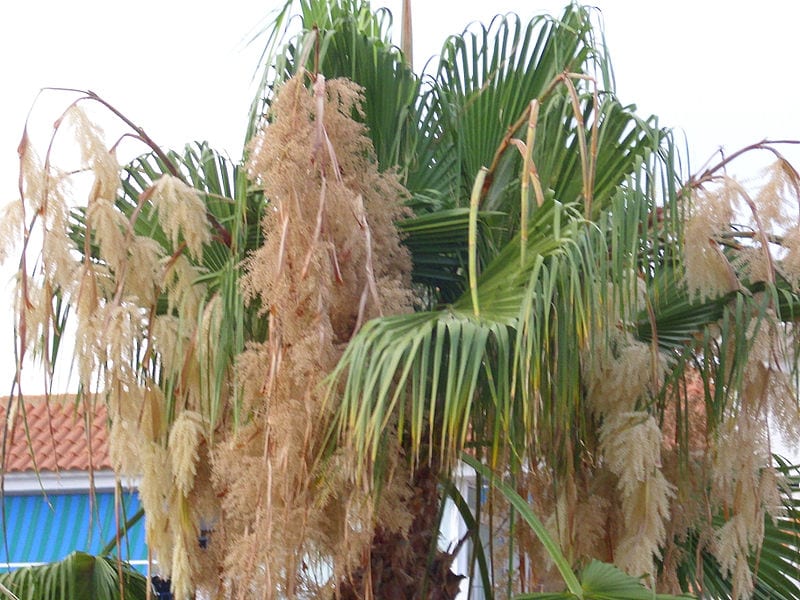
439, 356
79, 576
487, 78
438, 242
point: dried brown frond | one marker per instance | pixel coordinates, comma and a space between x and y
331, 259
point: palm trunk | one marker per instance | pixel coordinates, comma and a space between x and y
407, 566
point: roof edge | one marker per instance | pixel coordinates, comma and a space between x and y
64, 482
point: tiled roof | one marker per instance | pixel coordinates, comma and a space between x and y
58, 436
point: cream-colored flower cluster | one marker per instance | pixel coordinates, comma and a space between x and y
137, 358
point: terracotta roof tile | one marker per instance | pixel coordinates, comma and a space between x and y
58, 436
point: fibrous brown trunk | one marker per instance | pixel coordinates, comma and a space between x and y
407, 565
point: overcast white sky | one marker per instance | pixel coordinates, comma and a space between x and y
724, 73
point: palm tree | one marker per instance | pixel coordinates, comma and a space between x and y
499, 263
79, 576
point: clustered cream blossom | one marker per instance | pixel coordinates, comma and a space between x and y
148, 324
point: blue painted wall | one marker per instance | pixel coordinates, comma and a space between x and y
39, 529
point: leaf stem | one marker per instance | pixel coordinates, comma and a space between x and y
474, 201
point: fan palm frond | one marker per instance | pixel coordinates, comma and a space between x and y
79, 576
